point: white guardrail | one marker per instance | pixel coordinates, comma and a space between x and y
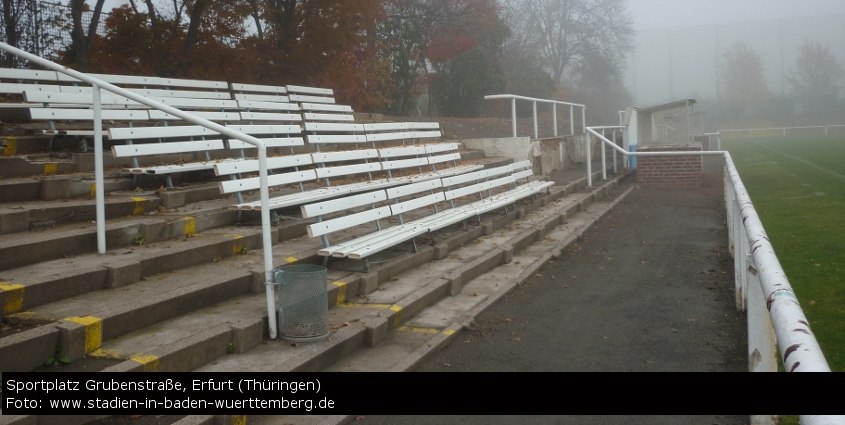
761, 285
768, 131
98, 163
513, 98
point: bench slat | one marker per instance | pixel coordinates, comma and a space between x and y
27, 74
441, 147
444, 158
253, 183
332, 138
275, 106
258, 88
479, 187
410, 189
19, 88
416, 203
401, 151
345, 170
155, 114
274, 163
328, 117
335, 205
269, 116
87, 114
404, 163
72, 98
310, 90
325, 107
262, 97
157, 92
320, 157
378, 137
275, 142
310, 99
391, 126
138, 133
121, 151
116, 79
320, 126
329, 226
267, 129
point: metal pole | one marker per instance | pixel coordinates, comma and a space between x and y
536, 135
99, 181
603, 160
554, 119
513, 115
571, 120
584, 119
589, 161
614, 151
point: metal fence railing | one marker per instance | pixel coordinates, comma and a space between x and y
513, 98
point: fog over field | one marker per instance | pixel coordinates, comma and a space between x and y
688, 35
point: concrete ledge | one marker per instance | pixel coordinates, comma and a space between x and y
343, 342
39, 344
247, 334
187, 354
13, 221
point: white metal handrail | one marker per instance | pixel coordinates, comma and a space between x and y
554, 103
98, 163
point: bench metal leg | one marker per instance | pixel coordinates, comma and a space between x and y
169, 182
275, 220
414, 243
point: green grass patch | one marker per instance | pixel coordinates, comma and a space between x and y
797, 186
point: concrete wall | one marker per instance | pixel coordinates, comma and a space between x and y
547, 155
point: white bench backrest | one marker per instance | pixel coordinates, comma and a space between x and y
273, 163
27, 74
121, 151
324, 107
326, 227
479, 187
270, 106
341, 204
258, 88
20, 88
311, 116
87, 114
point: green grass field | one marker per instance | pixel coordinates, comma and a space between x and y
797, 186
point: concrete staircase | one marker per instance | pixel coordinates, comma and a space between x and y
181, 287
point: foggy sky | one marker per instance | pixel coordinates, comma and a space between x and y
649, 14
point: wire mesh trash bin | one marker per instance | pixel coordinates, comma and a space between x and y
303, 307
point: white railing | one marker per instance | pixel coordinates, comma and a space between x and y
554, 104
98, 163
783, 130
761, 287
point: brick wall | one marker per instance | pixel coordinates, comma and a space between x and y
675, 172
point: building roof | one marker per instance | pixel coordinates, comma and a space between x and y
664, 106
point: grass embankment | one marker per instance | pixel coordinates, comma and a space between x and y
797, 186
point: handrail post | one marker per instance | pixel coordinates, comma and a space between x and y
571, 119
603, 160
614, 151
99, 179
584, 119
589, 160
536, 134
513, 115
554, 119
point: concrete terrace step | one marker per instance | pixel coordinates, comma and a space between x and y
43, 290
75, 239
209, 309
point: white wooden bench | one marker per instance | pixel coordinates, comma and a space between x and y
337, 166
445, 189
300, 94
194, 139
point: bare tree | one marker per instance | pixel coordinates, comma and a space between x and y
815, 82
81, 39
564, 32
743, 79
